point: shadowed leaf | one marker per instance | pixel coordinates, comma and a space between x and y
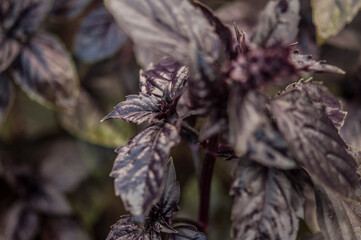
322, 98
18, 222
188, 232
6, 95
160, 86
99, 36
68, 8
350, 132
306, 63
167, 27
278, 23
314, 142
9, 50
266, 205
139, 168
45, 71
331, 16
252, 132
338, 219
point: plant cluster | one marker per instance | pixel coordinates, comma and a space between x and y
210, 88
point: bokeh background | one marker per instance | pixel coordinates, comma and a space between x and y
55, 163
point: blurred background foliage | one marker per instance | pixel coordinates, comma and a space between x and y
55, 162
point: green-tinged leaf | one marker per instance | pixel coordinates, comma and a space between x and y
18, 222
45, 71
331, 16
82, 120
68, 8
167, 27
315, 143
139, 168
99, 36
6, 95
278, 23
63, 229
322, 98
266, 204
253, 133
338, 219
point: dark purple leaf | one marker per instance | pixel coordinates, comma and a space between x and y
99, 36
168, 203
166, 27
322, 98
317, 236
24, 17
45, 71
188, 232
278, 23
252, 132
127, 229
266, 204
161, 87
306, 63
64, 165
9, 50
6, 95
68, 8
48, 200
338, 219
223, 32
63, 229
139, 168
18, 222
315, 143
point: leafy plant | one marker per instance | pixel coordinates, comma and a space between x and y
280, 144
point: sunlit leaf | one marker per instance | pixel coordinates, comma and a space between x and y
145, 56
252, 132
45, 72
161, 87
338, 219
69, 8
314, 142
99, 36
166, 27
331, 16
82, 120
306, 63
139, 168
18, 222
266, 205
6, 95
278, 23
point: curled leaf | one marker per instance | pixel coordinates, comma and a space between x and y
139, 168
188, 232
167, 27
99, 36
45, 72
